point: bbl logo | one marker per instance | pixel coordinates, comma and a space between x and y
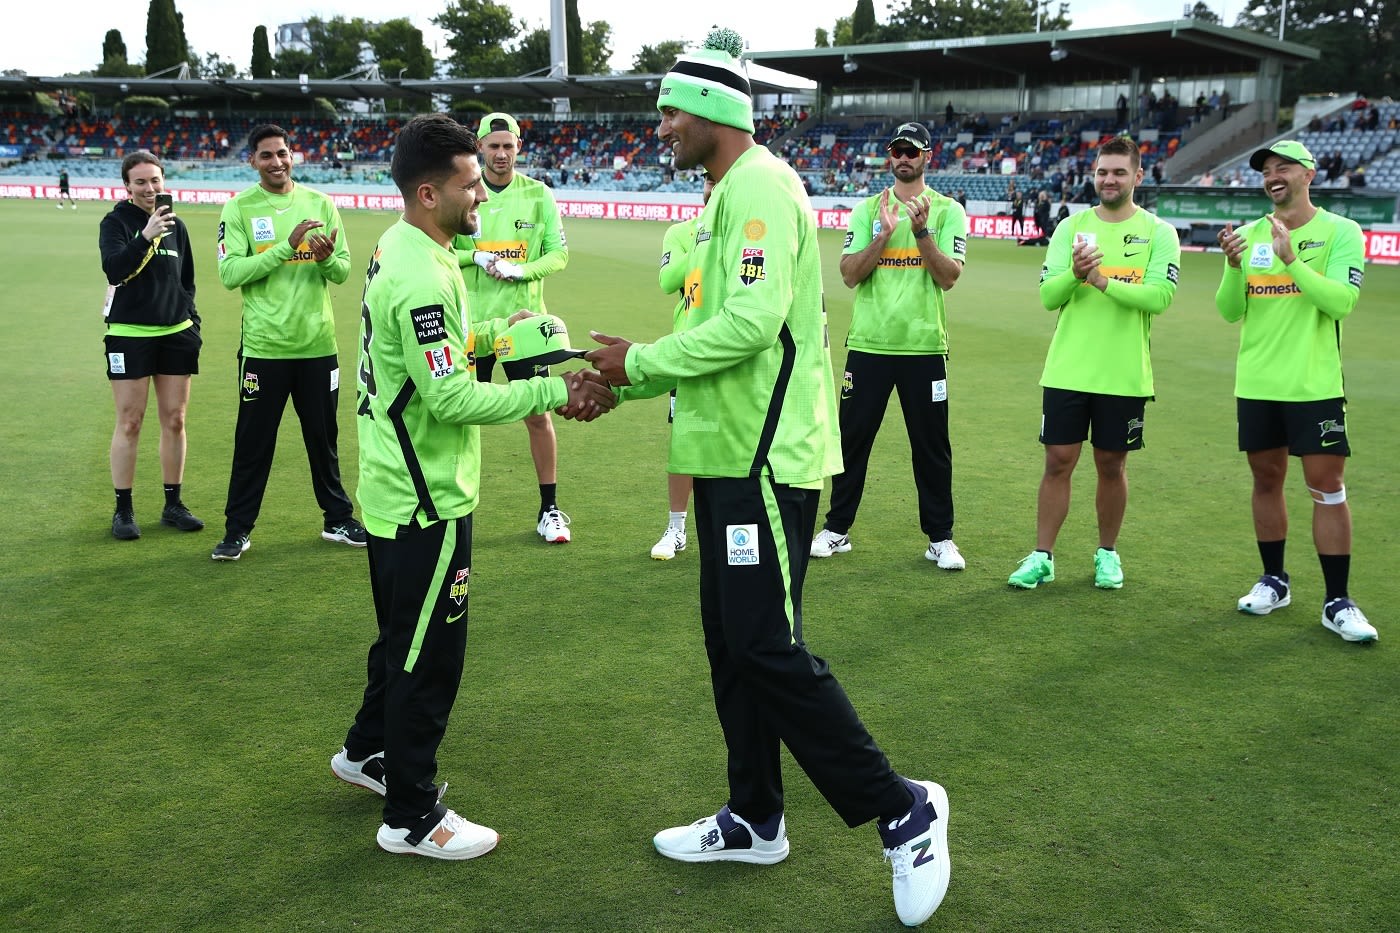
250, 383
458, 592
751, 266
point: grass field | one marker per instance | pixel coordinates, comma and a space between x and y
1146, 759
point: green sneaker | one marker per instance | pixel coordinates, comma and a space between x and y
1108, 569
1036, 568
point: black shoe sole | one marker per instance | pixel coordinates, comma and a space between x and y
183, 526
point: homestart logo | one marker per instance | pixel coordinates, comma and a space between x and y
742, 542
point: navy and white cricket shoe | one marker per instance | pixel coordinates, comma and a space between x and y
725, 837
916, 846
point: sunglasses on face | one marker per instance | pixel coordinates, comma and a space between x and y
904, 152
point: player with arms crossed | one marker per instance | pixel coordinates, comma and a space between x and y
419, 408
1292, 277
1108, 272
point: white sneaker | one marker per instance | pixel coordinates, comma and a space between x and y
368, 773
1268, 594
723, 837
672, 540
829, 542
452, 838
554, 527
1343, 617
917, 849
947, 555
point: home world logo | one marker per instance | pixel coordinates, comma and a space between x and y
742, 541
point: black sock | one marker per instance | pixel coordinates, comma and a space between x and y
124, 500
1271, 553
547, 493
1335, 570
172, 494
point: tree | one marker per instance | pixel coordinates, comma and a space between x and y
657, 59
260, 67
398, 47
532, 54
114, 61
841, 31
961, 19
573, 37
165, 37
113, 46
292, 63
821, 40
214, 66
1203, 14
478, 33
597, 49
863, 25
336, 43
1359, 42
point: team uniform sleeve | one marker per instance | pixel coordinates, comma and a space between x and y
187, 280
749, 315
952, 232
465, 248
121, 254
673, 264
1336, 291
1230, 295
554, 249
1057, 281
335, 268
859, 229
430, 328
1159, 281
238, 264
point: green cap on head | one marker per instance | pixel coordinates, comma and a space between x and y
495, 122
531, 342
1289, 149
711, 82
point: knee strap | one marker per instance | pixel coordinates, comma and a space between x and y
1329, 498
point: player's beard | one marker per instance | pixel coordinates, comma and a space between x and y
470, 223
1123, 196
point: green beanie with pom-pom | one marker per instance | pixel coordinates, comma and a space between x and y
710, 82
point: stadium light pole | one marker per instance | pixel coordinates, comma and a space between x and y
1282, 15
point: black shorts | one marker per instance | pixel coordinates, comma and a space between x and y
1066, 417
486, 365
174, 354
1303, 427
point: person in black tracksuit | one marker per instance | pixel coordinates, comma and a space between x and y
152, 335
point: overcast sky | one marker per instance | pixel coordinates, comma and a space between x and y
44, 40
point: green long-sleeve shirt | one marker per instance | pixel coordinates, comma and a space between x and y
1291, 339
287, 312
520, 224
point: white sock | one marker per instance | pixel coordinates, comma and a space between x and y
677, 520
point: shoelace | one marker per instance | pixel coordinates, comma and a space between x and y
900, 861
557, 519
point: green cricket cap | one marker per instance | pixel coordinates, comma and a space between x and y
1289, 149
495, 122
534, 341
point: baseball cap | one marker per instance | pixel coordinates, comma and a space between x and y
494, 122
915, 134
1289, 149
533, 341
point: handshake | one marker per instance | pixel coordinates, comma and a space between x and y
610, 369
532, 341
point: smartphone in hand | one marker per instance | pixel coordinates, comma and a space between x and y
165, 199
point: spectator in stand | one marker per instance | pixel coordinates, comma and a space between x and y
1122, 111
1156, 173
961, 198
949, 114
1214, 100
